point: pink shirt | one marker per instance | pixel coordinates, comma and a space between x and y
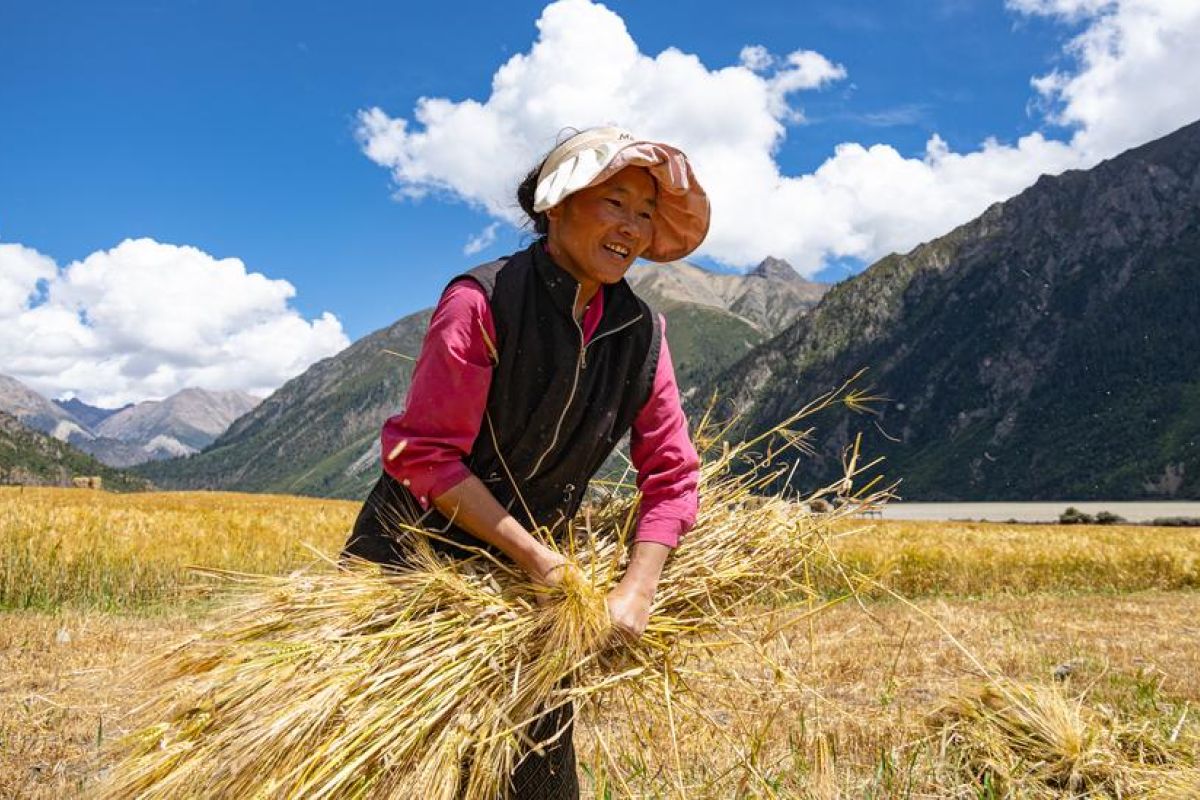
424, 446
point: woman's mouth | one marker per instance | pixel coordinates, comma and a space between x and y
618, 249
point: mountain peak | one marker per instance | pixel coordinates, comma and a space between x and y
773, 268
89, 415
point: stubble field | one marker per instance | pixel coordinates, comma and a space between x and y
1091, 633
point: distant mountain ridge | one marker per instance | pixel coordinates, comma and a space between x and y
192, 417
319, 433
181, 424
715, 318
1049, 348
769, 297
89, 415
36, 412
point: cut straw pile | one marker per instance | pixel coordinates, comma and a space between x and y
1032, 741
423, 683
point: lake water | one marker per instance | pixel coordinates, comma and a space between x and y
1041, 511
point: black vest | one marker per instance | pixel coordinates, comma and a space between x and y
556, 407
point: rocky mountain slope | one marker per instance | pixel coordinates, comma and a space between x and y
1048, 349
89, 415
714, 318
35, 411
31, 458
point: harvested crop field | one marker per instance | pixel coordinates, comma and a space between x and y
1096, 627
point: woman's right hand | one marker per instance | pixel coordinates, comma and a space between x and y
549, 572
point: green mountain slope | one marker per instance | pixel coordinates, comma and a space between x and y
30, 458
1048, 349
318, 433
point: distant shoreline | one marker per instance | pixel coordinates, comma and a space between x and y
1039, 511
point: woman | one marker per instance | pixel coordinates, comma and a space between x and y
533, 369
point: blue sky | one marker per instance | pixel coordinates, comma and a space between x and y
235, 128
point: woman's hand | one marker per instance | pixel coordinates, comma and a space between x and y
629, 602
629, 610
548, 571
470, 506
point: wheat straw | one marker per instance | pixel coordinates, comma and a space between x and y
424, 683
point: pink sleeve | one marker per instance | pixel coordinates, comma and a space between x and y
668, 469
423, 447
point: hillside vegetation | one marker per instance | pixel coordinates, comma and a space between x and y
1048, 349
31, 458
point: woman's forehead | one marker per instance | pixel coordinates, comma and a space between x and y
634, 180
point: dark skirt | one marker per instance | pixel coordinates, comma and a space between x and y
546, 775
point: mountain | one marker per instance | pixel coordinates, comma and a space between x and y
1048, 349
90, 416
713, 319
35, 411
29, 457
769, 297
318, 433
187, 421
181, 424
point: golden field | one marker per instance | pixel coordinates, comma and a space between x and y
851, 702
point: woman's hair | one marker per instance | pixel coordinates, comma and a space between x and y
528, 187
525, 191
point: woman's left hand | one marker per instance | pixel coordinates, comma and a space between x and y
629, 609
629, 603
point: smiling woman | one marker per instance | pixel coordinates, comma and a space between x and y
533, 369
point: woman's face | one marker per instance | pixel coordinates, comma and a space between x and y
597, 232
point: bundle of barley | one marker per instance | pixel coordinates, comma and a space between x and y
1036, 741
424, 683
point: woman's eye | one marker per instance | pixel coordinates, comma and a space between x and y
614, 201
645, 215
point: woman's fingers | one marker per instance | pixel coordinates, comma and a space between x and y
554, 570
629, 613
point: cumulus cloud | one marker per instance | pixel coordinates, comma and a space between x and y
481, 241
145, 319
21, 270
1133, 74
1131, 78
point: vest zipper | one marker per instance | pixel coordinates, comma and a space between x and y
571, 395
608, 333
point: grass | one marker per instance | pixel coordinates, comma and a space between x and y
83, 549
88, 549
979, 559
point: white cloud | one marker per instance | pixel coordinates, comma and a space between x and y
21, 269
1133, 79
756, 58
1135, 72
144, 320
481, 241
